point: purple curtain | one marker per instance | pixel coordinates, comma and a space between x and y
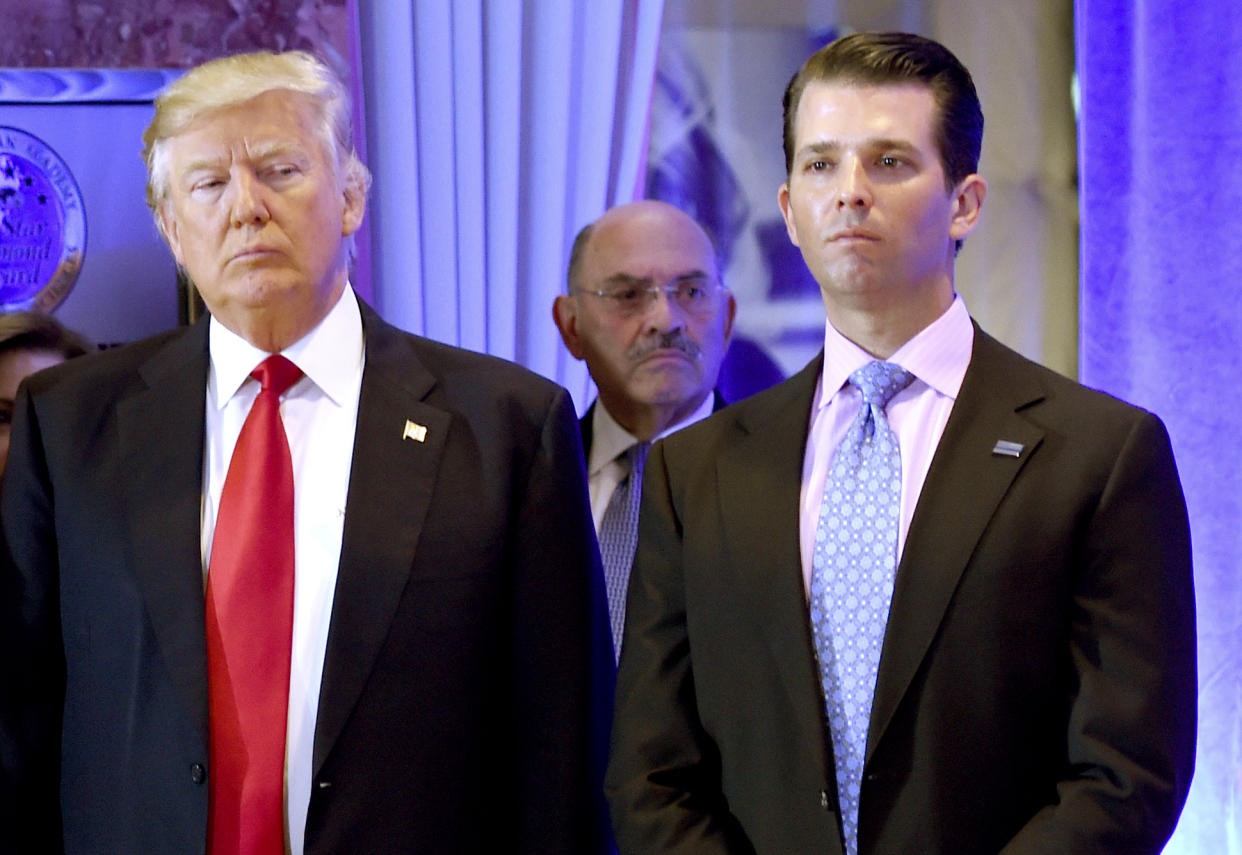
1161, 323
495, 130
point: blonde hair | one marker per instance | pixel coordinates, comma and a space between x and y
233, 80
28, 330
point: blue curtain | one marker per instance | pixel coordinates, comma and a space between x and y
496, 129
1161, 319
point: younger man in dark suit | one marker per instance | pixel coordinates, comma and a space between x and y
292, 579
925, 596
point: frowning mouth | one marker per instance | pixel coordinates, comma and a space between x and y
667, 353
253, 253
852, 235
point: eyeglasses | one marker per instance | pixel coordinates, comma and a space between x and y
693, 295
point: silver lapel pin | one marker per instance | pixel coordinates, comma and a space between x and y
1005, 448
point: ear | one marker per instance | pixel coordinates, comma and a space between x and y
730, 312
355, 207
782, 199
168, 226
565, 313
968, 199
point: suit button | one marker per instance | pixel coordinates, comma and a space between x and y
198, 773
823, 799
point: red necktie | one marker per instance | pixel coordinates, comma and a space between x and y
250, 628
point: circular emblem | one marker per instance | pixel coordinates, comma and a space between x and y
42, 224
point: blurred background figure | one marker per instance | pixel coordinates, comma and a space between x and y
30, 342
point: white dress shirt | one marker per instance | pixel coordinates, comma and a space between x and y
320, 412
937, 357
608, 441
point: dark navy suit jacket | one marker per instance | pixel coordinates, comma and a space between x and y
1036, 689
468, 636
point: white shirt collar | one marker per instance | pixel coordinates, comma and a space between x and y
938, 355
329, 355
609, 439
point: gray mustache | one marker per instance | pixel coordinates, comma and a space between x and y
676, 340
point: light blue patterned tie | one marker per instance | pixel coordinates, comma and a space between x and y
852, 580
618, 536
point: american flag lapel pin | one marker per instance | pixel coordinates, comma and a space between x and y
414, 431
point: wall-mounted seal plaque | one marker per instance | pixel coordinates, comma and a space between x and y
42, 224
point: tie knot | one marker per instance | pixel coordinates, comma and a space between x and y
276, 374
880, 381
636, 454
636, 457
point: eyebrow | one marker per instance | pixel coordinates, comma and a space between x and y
259, 153
872, 144
270, 150
630, 279
202, 164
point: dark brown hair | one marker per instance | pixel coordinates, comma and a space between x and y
884, 59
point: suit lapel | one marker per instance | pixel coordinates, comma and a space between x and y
964, 486
758, 481
390, 490
587, 424
160, 439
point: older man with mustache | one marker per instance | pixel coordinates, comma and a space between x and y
648, 312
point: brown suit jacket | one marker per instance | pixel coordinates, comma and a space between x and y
1036, 691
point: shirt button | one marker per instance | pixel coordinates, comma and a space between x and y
198, 773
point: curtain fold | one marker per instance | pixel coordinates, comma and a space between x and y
495, 130
1160, 147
